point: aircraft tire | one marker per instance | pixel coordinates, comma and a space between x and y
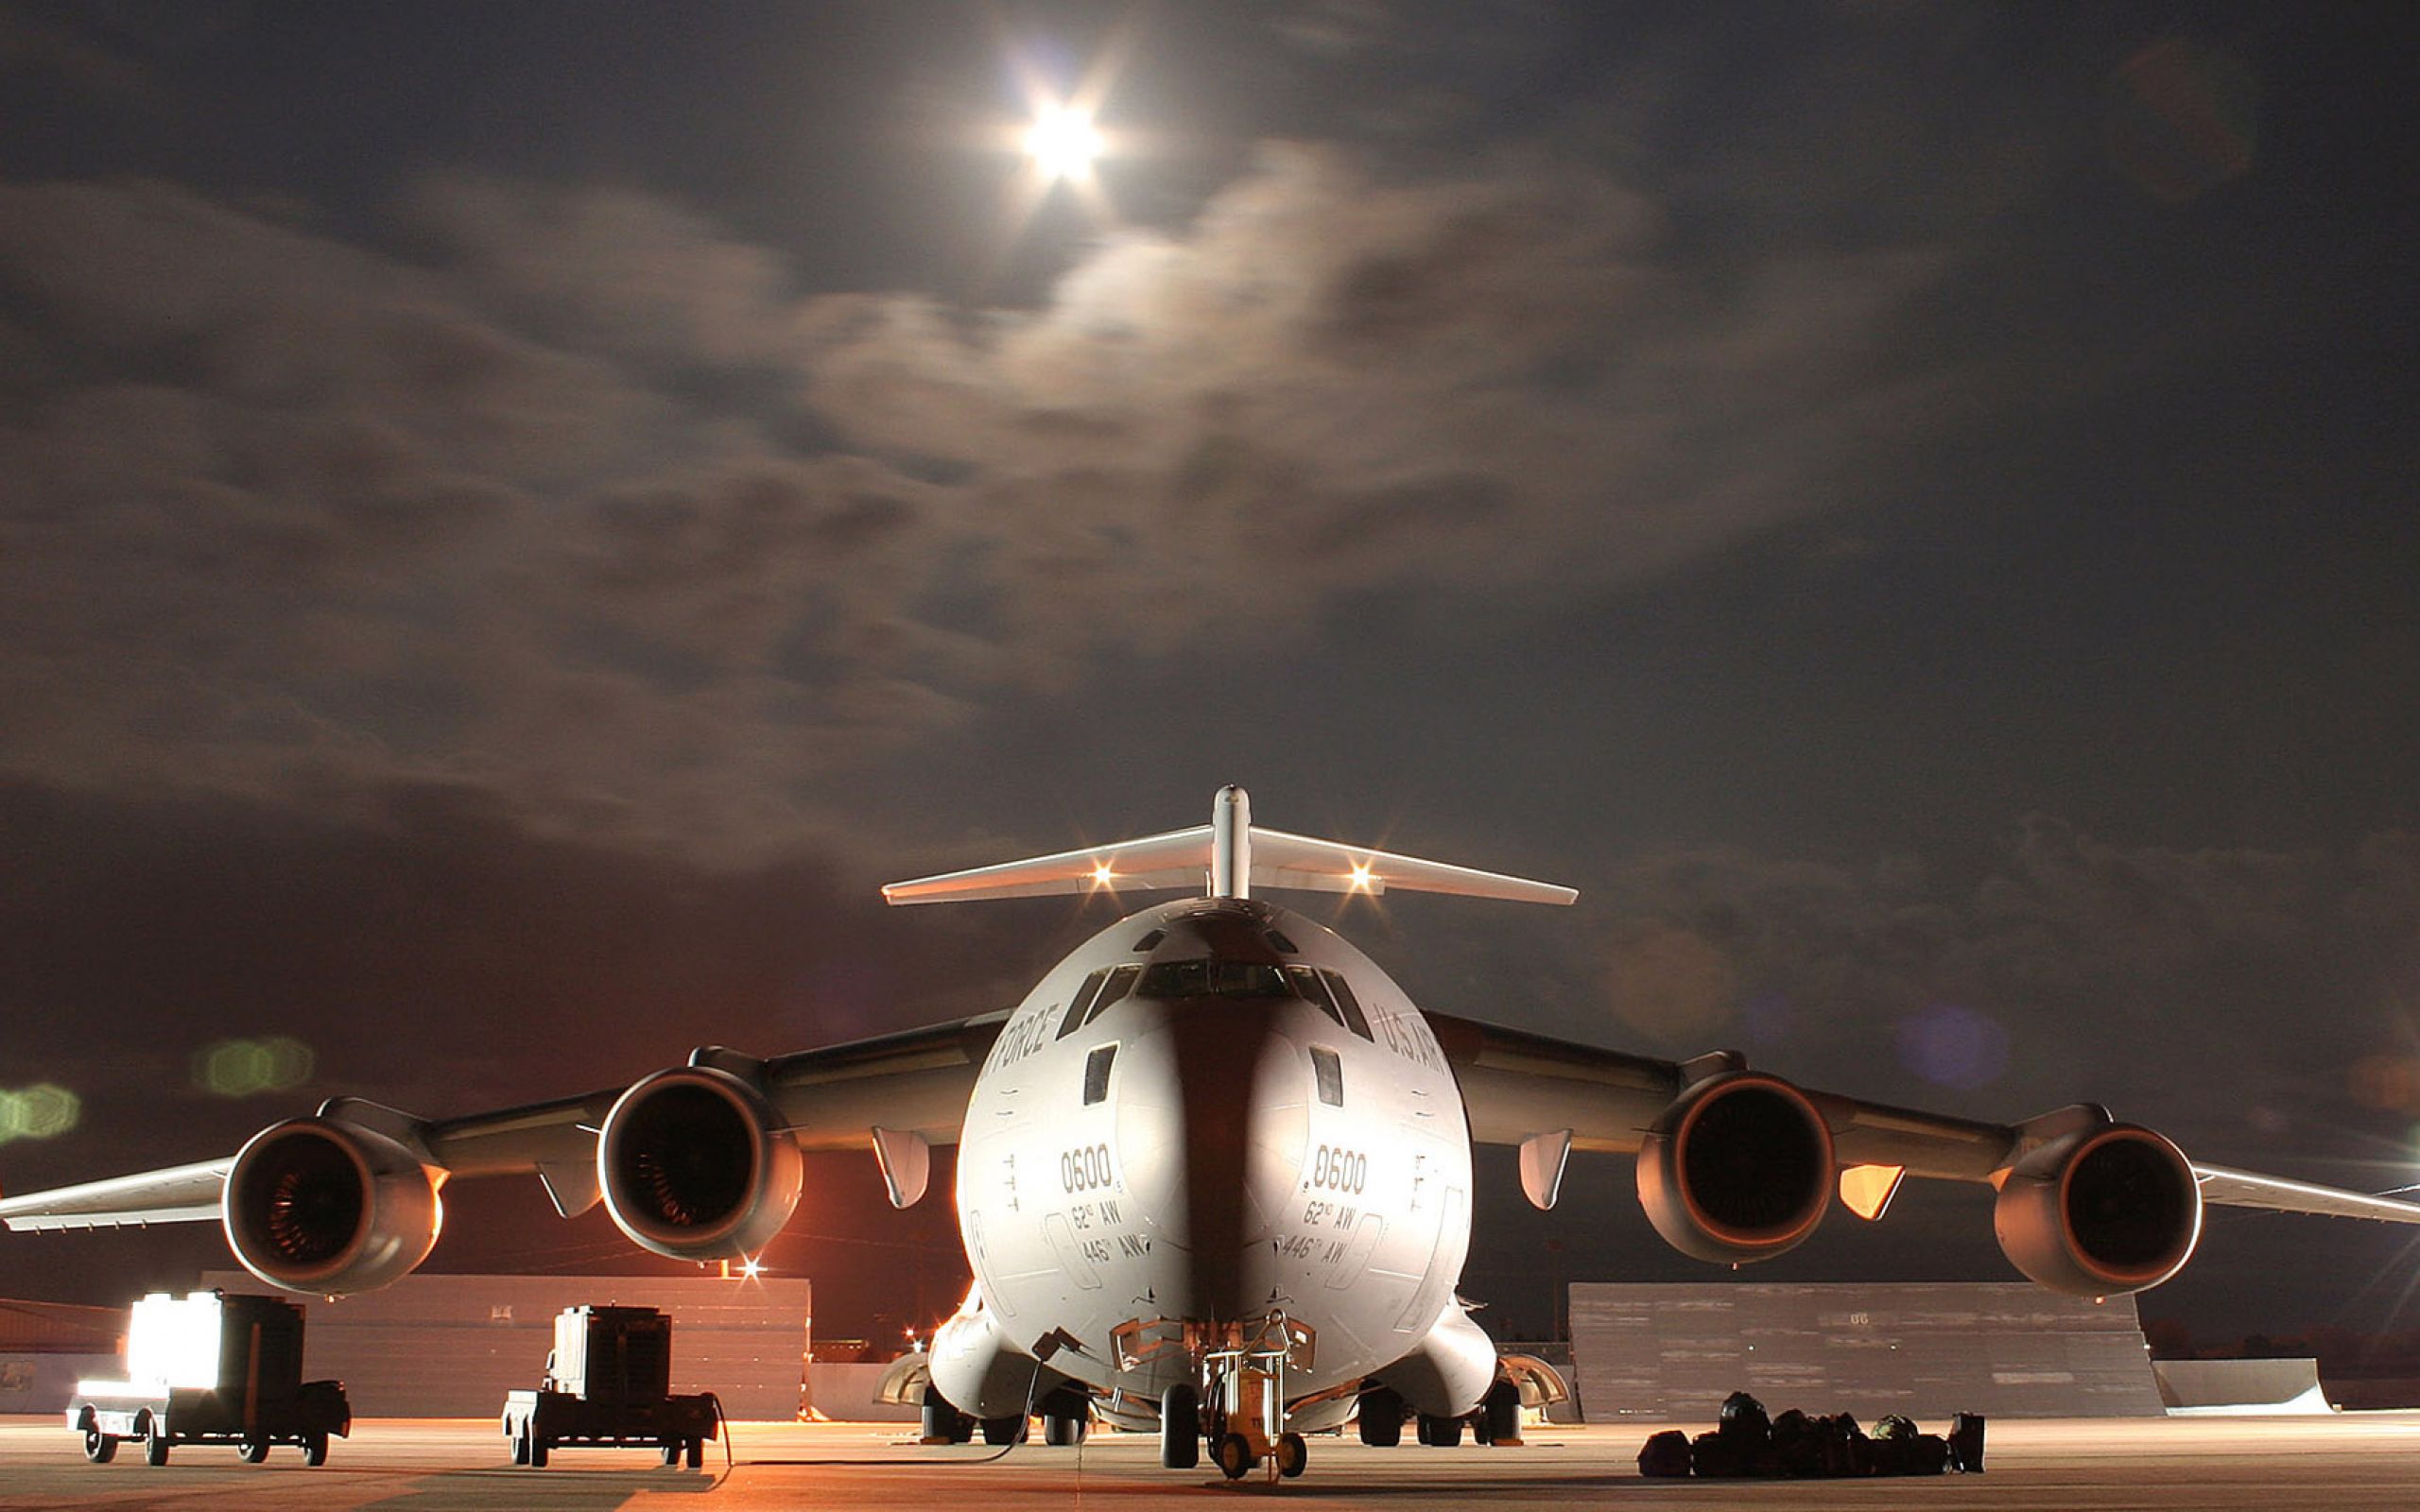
1441, 1432
1000, 1431
943, 1424
1381, 1423
1500, 1419
1180, 1428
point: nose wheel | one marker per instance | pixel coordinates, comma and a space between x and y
1180, 1427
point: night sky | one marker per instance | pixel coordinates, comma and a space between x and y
515, 518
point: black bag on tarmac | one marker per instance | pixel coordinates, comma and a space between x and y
1718, 1458
1966, 1443
1665, 1455
1798, 1445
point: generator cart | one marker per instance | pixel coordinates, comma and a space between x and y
608, 1383
212, 1369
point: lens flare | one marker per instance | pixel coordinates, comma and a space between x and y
42, 1111
243, 1068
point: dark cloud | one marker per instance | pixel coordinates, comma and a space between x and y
461, 520
2065, 967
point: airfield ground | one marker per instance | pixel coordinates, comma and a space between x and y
2354, 1460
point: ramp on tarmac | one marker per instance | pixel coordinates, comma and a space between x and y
2240, 1385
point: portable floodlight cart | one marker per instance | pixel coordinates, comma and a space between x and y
212, 1369
608, 1385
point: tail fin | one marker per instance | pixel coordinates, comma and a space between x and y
1229, 856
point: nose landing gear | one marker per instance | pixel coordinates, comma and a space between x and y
1240, 1405
1248, 1394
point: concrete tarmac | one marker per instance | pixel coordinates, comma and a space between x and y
2345, 1461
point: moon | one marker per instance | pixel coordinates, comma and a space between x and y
1062, 143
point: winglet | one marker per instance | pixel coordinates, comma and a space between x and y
1226, 858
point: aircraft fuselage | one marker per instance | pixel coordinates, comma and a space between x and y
1215, 1112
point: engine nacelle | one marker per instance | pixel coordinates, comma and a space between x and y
319, 1206
1739, 1168
695, 1163
2103, 1211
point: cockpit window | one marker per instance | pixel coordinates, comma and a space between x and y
1329, 1072
1280, 942
1150, 941
1081, 1003
1097, 1073
1122, 981
1346, 1002
1309, 987
1212, 979
1323, 990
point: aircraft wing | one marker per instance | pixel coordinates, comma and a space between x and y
181, 1193
916, 1082
1518, 1086
2245, 1189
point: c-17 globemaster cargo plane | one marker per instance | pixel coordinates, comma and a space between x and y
1214, 1172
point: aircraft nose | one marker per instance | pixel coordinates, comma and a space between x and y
1212, 1117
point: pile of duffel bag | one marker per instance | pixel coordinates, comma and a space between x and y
1745, 1442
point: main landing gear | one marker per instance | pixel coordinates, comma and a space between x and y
1497, 1419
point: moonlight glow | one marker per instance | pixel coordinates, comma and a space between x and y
1064, 143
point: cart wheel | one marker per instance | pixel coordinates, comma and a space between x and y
315, 1449
1292, 1454
670, 1452
1236, 1458
100, 1448
155, 1445
697, 1453
537, 1451
252, 1450
520, 1443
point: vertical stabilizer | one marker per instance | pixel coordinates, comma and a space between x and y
1231, 843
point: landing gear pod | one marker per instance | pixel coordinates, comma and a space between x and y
1739, 1168
2101, 1212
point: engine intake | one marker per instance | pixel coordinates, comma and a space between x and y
323, 1207
1739, 1168
2110, 1210
695, 1163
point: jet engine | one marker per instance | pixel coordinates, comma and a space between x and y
2101, 1211
1739, 1168
695, 1163
320, 1205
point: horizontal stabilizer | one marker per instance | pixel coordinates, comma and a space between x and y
1183, 858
